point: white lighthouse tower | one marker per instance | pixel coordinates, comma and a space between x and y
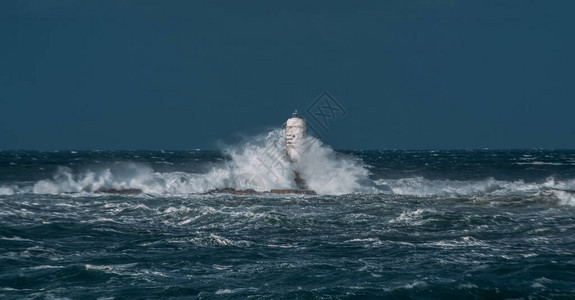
295, 131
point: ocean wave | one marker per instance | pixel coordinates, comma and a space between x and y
6, 191
133, 176
565, 198
213, 240
420, 186
259, 164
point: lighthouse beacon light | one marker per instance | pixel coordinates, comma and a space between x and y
295, 131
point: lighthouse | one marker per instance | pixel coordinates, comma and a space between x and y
294, 134
295, 131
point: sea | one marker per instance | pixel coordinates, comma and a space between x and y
465, 224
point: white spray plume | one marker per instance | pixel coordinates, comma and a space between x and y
260, 163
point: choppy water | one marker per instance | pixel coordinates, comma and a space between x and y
473, 224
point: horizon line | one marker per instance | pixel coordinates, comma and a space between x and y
199, 149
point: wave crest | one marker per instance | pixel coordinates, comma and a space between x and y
260, 164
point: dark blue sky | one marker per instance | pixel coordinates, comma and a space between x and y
188, 74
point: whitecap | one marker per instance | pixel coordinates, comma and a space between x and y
234, 291
6, 191
467, 286
15, 238
224, 291
565, 198
415, 284
217, 241
422, 187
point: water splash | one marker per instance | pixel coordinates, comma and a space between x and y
260, 163
328, 172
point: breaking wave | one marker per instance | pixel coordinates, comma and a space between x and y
565, 198
419, 186
6, 191
341, 176
259, 164
422, 187
121, 176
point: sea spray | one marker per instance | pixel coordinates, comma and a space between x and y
329, 172
117, 176
260, 163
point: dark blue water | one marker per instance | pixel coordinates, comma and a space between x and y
427, 224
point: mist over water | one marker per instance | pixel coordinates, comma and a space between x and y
419, 224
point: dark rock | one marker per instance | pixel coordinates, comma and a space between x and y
233, 191
120, 192
300, 192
